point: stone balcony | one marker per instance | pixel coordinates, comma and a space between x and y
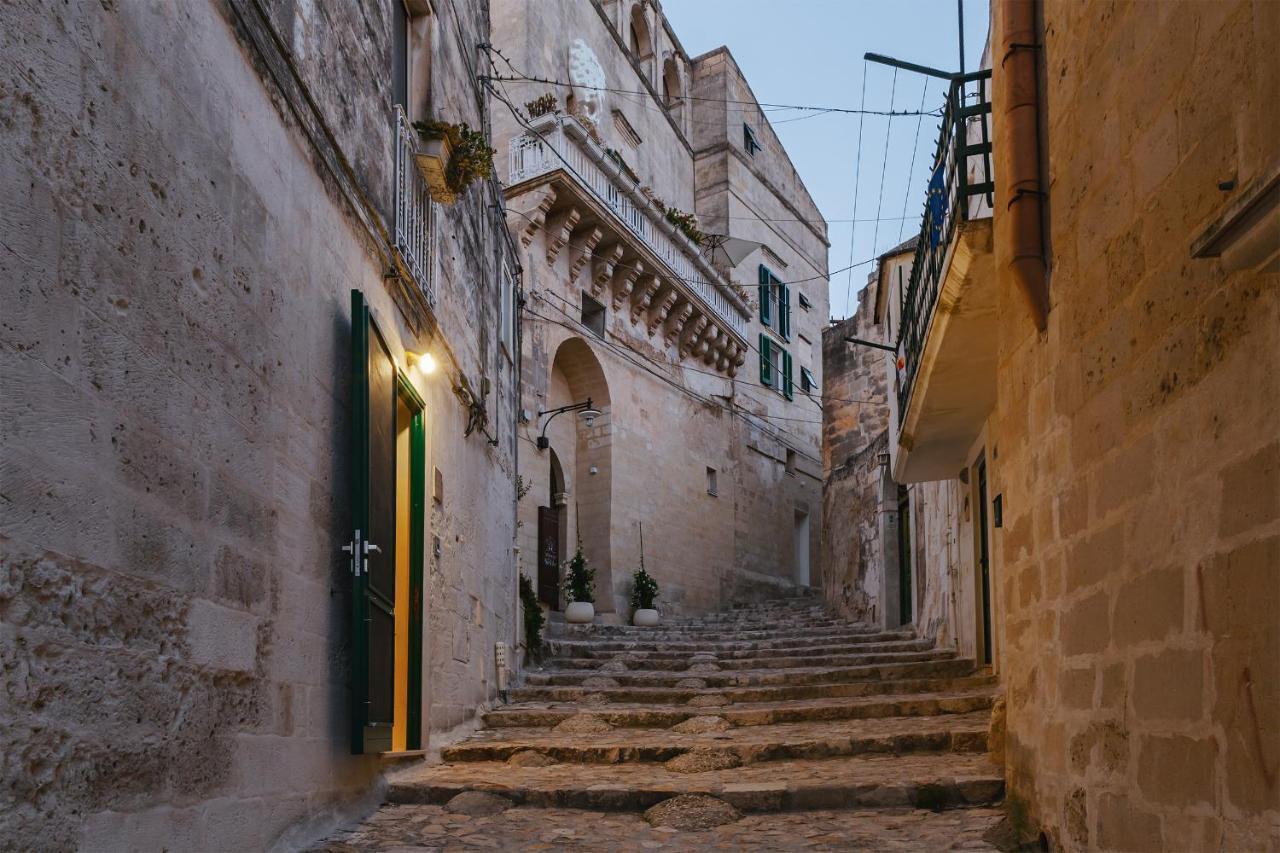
563, 185
946, 343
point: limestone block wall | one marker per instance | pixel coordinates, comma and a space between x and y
1138, 563
174, 365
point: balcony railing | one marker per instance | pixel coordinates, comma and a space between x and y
414, 223
560, 142
960, 190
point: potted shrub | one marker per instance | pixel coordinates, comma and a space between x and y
644, 589
579, 590
452, 156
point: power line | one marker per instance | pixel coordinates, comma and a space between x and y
526, 78
888, 132
857, 180
911, 170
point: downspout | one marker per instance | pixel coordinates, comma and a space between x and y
1020, 113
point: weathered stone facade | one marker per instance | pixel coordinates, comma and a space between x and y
191, 193
1138, 568
662, 336
1132, 471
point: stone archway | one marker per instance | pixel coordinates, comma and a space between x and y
585, 456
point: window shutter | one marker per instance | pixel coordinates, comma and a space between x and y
784, 311
788, 388
765, 313
766, 366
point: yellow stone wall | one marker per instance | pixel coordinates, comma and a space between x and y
1137, 442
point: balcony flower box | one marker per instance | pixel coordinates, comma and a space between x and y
450, 157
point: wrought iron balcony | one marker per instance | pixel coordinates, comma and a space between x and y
414, 213
961, 189
560, 143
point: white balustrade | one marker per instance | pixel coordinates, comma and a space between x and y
413, 210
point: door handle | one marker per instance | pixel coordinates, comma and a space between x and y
370, 548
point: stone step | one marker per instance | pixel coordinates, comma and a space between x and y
771, 659
547, 715
736, 746
598, 652
661, 636
615, 644
854, 668
925, 780
596, 695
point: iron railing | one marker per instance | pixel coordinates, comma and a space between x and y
961, 189
560, 143
414, 212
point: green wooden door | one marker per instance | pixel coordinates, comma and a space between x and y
372, 545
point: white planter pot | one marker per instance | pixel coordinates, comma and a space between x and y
645, 618
580, 613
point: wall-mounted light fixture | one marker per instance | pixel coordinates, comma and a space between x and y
424, 361
883, 459
586, 410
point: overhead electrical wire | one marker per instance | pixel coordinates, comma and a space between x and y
888, 132
911, 170
857, 180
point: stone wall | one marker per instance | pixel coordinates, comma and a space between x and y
1139, 562
174, 347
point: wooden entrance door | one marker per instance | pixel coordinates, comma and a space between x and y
549, 556
984, 563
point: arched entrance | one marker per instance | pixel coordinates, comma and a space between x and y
579, 499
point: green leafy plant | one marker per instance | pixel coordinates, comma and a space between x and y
579, 578
616, 156
644, 590
470, 157
533, 617
541, 106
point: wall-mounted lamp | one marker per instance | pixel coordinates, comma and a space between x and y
883, 459
425, 362
586, 410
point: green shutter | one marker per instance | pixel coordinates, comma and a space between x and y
765, 276
788, 388
766, 367
784, 311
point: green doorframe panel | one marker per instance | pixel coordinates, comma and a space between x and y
359, 517
417, 544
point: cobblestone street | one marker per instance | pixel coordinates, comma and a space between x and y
398, 827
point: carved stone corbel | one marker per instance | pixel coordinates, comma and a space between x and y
707, 344
663, 301
558, 230
583, 243
624, 280
602, 266
644, 296
691, 334
675, 325
526, 223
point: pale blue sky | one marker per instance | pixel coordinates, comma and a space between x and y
810, 52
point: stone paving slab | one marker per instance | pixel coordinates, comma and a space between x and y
953, 733
431, 828
738, 660
919, 780
597, 693
642, 716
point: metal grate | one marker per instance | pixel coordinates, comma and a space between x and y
414, 212
961, 189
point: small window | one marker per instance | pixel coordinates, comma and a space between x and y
791, 461
749, 140
593, 316
804, 301
712, 487
807, 383
400, 54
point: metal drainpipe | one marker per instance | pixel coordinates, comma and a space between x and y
1018, 45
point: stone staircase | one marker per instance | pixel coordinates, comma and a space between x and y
773, 707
